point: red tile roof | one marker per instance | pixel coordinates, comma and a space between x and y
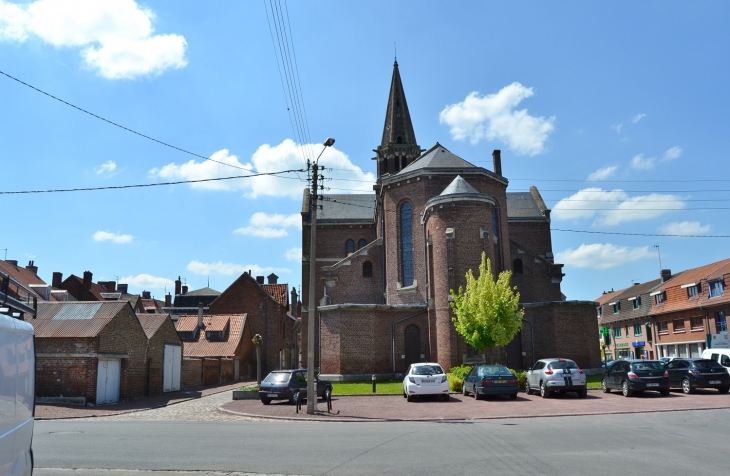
24, 276
201, 347
604, 298
74, 319
152, 322
677, 298
278, 292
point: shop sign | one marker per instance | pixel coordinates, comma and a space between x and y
720, 341
622, 344
638, 343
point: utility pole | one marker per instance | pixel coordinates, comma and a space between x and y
311, 386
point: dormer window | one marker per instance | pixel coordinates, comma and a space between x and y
214, 335
659, 296
716, 288
637, 301
616, 306
693, 289
187, 335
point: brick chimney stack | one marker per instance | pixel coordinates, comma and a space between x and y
32, 267
260, 279
294, 298
146, 295
122, 288
185, 289
57, 279
497, 158
178, 286
666, 275
87, 280
200, 314
168, 300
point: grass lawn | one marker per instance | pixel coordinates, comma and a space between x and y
594, 381
385, 388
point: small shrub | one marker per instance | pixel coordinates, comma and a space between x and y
250, 388
461, 371
521, 375
455, 383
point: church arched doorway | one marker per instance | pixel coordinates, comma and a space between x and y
412, 344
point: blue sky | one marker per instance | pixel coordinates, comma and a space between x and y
585, 100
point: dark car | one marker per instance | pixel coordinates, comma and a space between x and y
607, 365
284, 384
490, 380
636, 376
689, 374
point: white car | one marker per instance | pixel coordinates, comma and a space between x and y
425, 378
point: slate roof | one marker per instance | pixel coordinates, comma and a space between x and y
152, 322
347, 207
201, 347
627, 312
677, 298
458, 186
203, 292
526, 205
278, 292
75, 319
437, 157
192, 298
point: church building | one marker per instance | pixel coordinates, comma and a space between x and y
386, 261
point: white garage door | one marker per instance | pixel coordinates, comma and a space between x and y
107, 381
171, 369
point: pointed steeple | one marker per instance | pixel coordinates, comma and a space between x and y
398, 147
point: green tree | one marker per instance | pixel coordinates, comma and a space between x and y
487, 311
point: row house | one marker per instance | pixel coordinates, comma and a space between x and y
690, 309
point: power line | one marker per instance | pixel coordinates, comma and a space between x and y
640, 234
115, 187
119, 125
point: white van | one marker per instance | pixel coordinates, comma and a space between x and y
17, 396
721, 356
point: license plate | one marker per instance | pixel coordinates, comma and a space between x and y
715, 382
428, 380
272, 395
652, 384
500, 381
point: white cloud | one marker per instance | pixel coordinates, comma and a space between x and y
285, 156
672, 154
603, 173
228, 269
612, 207
116, 36
108, 168
618, 127
601, 255
493, 117
294, 254
638, 117
147, 281
685, 228
642, 163
270, 226
113, 237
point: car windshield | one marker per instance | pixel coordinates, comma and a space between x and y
707, 364
567, 364
277, 377
647, 366
427, 370
486, 370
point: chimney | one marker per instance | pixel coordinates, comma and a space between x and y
178, 285
57, 279
185, 289
293, 298
272, 278
260, 279
14, 262
122, 288
636, 284
32, 267
666, 275
200, 314
497, 157
87, 280
146, 295
168, 300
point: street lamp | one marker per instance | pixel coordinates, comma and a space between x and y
311, 387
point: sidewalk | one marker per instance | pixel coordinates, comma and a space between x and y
59, 411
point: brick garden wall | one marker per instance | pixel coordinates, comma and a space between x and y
191, 373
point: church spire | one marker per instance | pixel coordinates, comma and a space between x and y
398, 147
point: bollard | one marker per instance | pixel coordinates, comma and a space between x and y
298, 401
374, 383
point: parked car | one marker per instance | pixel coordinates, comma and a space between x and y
284, 384
607, 365
425, 378
689, 374
721, 356
490, 380
555, 375
636, 376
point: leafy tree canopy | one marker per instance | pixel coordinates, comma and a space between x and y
487, 311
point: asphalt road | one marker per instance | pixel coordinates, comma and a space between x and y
658, 443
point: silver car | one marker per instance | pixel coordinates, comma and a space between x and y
555, 375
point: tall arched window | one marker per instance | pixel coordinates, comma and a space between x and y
406, 244
517, 266
361, 244
367, 269
349, 247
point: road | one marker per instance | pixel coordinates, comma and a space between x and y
657, 443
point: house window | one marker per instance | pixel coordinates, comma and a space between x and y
616, 307
662, 327
406, 242
720, 322
616, 332
697, 324
361, 244
692, 291
600, 311
349, 247
716, 288
659, 298
517, 266
214, 335
367, 269
678, 325
637, 302
637, 330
